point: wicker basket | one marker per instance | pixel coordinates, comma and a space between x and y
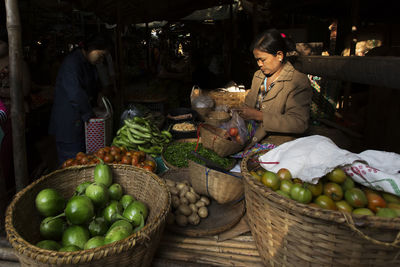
216, 118
230, 99
22, 220
224, 187
213, 138
288, 233
202, 112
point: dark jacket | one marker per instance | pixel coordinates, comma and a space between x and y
286, 107
76, 87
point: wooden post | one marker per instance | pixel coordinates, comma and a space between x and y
118, 57
16, 92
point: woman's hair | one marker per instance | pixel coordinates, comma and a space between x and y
271, 41
97, 42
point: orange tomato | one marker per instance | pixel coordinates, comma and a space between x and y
147, 167
107, 149
135, 160
79, 156
126, 159
84, 161
108, 158
375, 201
118, 157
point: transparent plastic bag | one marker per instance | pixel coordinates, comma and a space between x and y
200, 100
236, 128
134, 110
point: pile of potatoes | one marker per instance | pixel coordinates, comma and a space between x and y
187, 205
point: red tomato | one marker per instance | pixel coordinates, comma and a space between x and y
233, 131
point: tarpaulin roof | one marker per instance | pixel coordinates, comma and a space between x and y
138, 11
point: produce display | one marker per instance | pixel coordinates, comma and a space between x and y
188, 207
97, 214
334, 191
178, 155
141, 134
113, 154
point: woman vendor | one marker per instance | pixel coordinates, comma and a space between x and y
76, 92
280, 96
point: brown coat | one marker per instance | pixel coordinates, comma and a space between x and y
285, 108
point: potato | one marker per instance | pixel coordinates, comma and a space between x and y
205, 200
184, 209
183, 191
184, 200
175, 202
200, 204
194, 219
170, 182
180, 185
173, 190
170, 218
203, 212
193, 207
191, 197
181, 220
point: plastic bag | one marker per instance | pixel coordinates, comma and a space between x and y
203, 101
236, 128
134, 110
199, 100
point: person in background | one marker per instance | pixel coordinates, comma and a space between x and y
280, 96
6, 151
76, 93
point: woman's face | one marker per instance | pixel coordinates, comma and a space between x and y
3, 49
268, 63
96, 56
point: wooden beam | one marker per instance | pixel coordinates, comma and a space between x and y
16, 92
382, 71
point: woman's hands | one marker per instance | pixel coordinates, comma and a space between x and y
250, 114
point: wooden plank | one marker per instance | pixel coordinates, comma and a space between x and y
214, 258
9, 264
214, 249
7, 254
240, 228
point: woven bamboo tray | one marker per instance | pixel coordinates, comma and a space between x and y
22, 219
230, 99
288, 233
221, 217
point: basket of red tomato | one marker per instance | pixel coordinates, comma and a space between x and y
335, 222
114, 155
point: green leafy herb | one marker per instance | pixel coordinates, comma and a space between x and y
178, 155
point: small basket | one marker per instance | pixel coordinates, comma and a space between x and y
213, 138
202, 112
216, 118
224, 187
319, 237
22, 220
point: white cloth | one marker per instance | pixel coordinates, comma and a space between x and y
312, 157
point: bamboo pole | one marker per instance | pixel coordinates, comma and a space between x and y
16, 92
214, 258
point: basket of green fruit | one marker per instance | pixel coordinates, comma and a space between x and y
94, 215
335, 222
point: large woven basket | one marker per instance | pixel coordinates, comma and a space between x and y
213, 138
288, 233
224, 187
22, 220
